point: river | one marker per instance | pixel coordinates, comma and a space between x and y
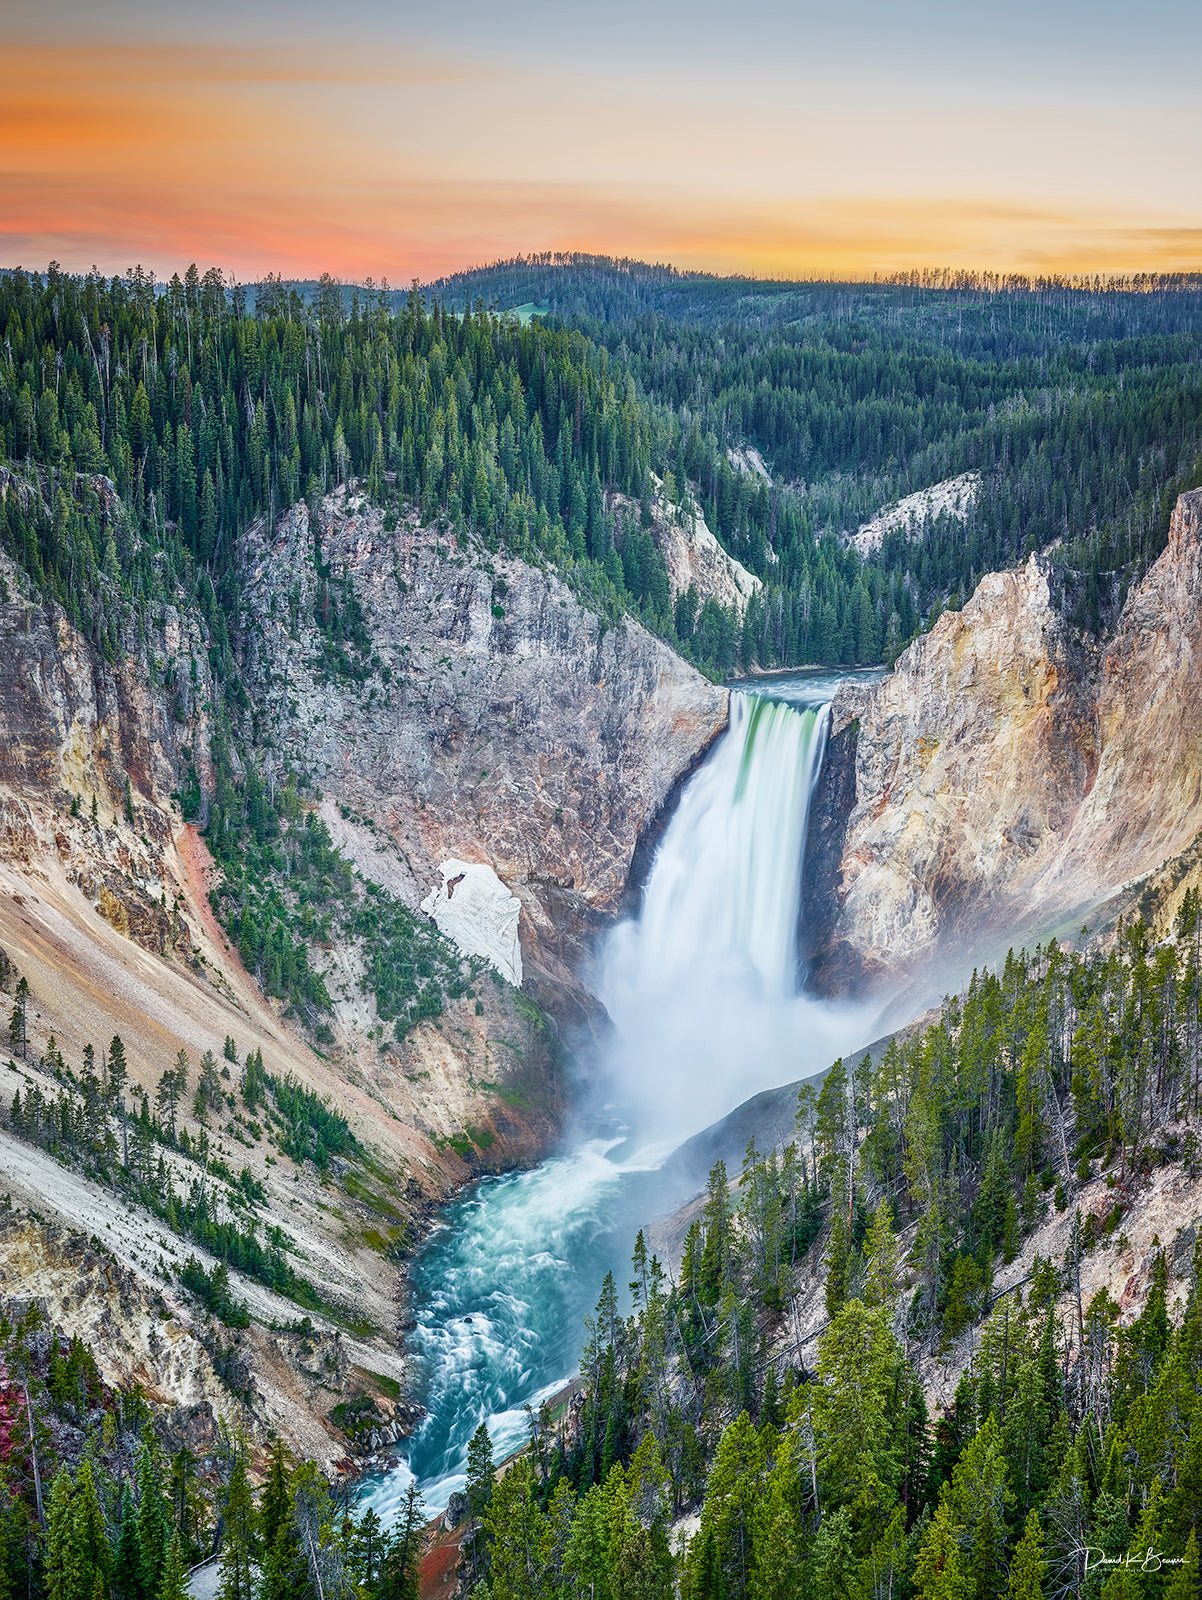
708, 1007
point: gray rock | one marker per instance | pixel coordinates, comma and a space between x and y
514, 727
456, 1511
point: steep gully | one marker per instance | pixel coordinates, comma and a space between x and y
703, 993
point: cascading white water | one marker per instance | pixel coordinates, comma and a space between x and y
702, 991
727, 876
702, 987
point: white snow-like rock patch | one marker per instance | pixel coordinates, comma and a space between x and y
953, 497
746, 458
479, 915
694, 556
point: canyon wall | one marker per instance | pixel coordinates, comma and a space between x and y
498, 721
471, 715
1010, 775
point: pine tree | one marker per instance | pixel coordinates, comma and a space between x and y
173, 1584
63, 1564
236, 1575
979, 1500
90, 1534
963, 1297
642, 1568
886, 1569
832, 1564
479, 1489
172, 1086
1183, 1583
1122, 1584
481, 1475
516, 1531
777, 1541
939, 1568
117, 1071
1011, 1238
1027, 1564
367, 1550
704, 1580
585, 1562
17, 1018
858, 1363
183, 1509
882, 1270
154, 1528
276, 1499
127, 1562
734, 1488
401, 1565
716, 1223
838, 1257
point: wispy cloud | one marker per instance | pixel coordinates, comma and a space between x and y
160, 65
402, 159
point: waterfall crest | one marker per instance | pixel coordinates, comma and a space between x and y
727, 876
702, 987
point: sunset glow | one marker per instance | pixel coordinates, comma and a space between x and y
393, 146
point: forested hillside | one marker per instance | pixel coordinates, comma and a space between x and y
1069, 1461
1078, 403
1055, 1089
1081, 409
104, 1496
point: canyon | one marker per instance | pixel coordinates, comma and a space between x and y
498, 724
491, 738
1012, 777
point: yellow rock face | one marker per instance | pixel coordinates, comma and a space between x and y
1012, 774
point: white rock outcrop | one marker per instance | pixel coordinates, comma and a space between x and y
954, 497
746, 458
479, 915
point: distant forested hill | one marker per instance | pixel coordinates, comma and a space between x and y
1079, 407
1079, 402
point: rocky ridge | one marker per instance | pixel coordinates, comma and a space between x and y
1011, 775
500, 722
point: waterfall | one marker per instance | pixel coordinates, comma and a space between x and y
702, 988
726, 880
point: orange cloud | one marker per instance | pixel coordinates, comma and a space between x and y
397, 164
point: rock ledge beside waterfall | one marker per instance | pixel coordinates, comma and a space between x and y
1011, 773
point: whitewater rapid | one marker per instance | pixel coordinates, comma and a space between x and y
705, 996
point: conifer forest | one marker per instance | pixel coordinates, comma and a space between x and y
878, 1359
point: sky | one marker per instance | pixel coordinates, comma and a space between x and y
819, 137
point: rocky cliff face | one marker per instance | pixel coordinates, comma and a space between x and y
497, 721
264, 1381
692, 554
1010, 774
475, 716
75, 728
